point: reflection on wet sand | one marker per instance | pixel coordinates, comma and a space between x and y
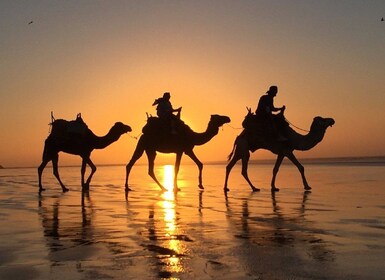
66, 233
258, 231
165, 240
331, 233
278, 229
185, 235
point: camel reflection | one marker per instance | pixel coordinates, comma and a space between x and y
66, 230
166, 241
278, 227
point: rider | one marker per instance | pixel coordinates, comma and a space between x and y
165, 111
265, 109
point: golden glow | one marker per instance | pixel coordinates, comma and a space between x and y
170, 222
148, 68
168, 177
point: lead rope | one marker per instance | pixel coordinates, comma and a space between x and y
236, 128
296, 126
135, 137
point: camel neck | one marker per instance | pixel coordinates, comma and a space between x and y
204, 137
102, 142
309, 141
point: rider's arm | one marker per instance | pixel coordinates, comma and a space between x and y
177, 110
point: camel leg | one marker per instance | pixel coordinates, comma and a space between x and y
137, 155
245, 164
83, 172
151, 160
230, 166
199, 164
55, 160
40, 173
275, 172
88, 161
176, 170
301, 169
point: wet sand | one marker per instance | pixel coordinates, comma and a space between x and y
337, 231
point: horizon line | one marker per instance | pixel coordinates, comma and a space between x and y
319, 160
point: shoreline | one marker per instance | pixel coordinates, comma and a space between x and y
348, 160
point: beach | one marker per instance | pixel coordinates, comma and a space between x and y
336, 231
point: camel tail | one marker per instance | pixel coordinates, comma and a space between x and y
232, 151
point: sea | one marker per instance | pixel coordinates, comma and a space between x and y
334, 231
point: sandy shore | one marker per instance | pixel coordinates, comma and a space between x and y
329, 233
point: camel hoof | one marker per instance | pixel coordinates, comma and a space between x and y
41, 190
307, 188
225, 189
127, 189
255, 189
274, 190
201, 186
65, 190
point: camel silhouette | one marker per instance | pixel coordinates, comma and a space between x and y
156, 138
74, 137
247, 141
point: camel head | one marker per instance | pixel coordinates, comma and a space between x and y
321, 124
218, 120
120, 128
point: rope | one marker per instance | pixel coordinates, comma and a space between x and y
296, 126
237, 128
135, 137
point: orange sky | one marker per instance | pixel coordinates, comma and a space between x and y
109, 60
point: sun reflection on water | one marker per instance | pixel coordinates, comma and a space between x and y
168, 177
170, 222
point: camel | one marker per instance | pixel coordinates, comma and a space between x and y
249, 141
156, 138
74, 137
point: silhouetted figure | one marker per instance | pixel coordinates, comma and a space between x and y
264, 112
74, 137
382, 19
164, 107
155, 139
165, 111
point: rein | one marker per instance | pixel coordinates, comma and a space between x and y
296, 126
239, 128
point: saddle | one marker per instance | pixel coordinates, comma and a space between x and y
68, 129
166, 127
77, 126
261, 128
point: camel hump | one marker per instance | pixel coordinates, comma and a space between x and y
77, 126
